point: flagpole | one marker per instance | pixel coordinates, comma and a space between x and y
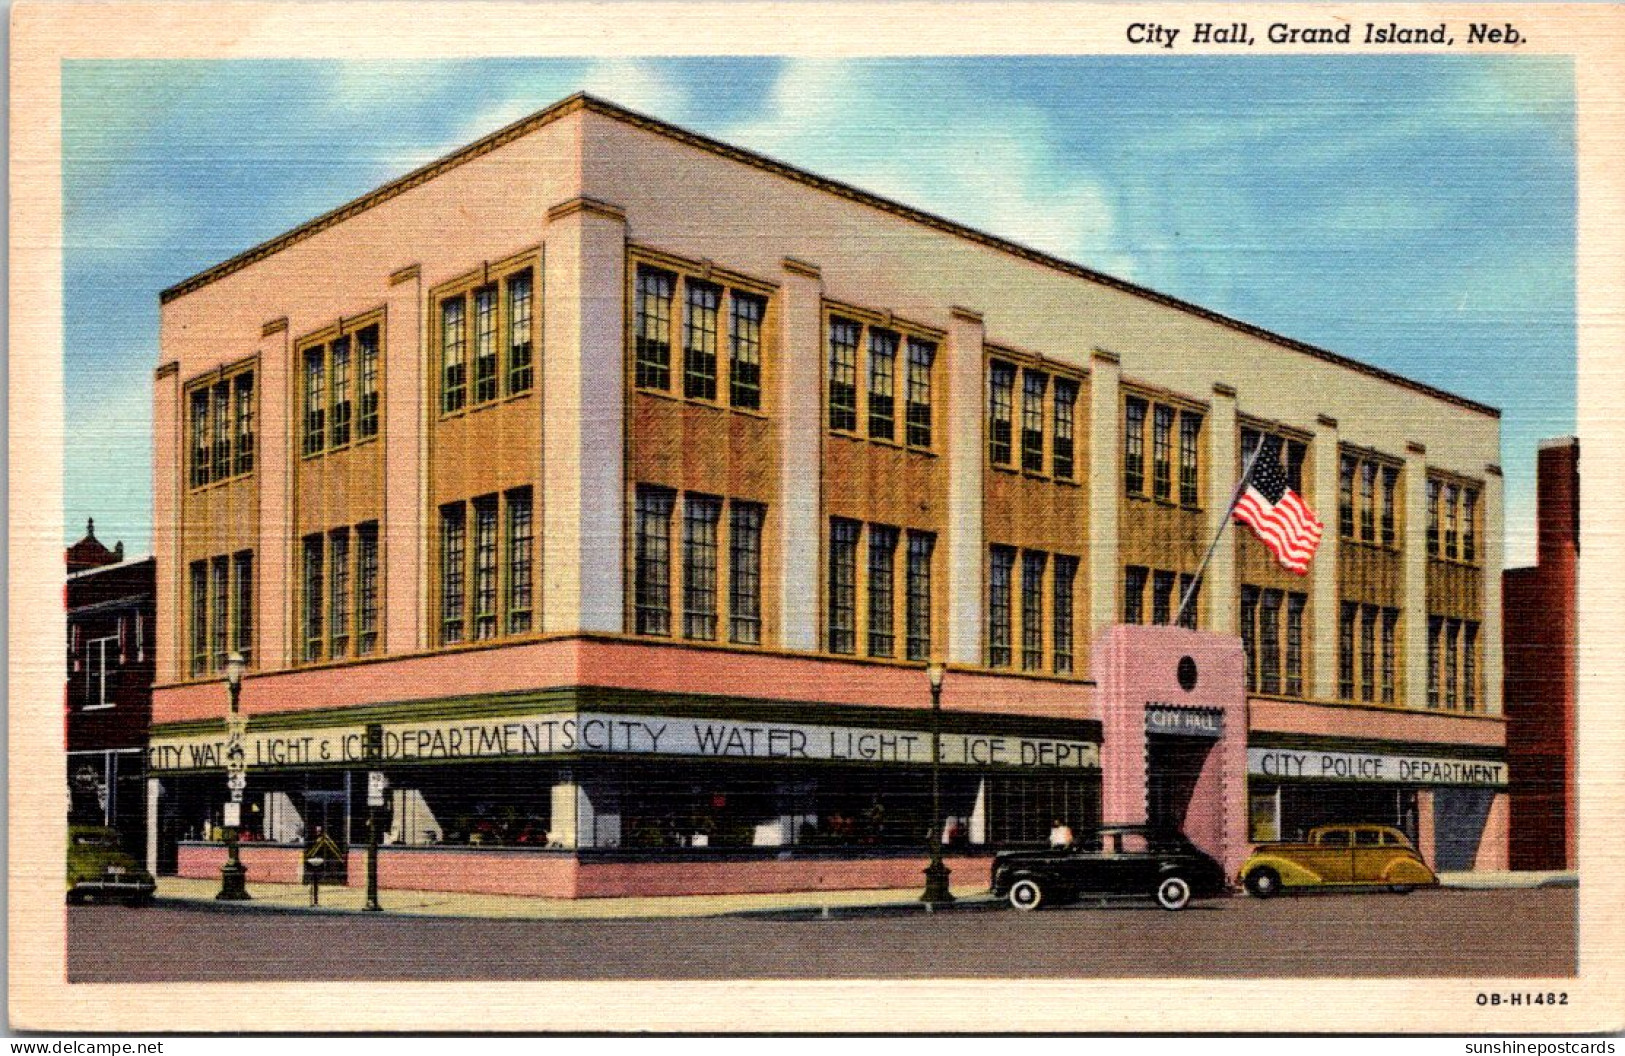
1235, 497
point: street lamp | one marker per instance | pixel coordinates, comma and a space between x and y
233, 877
936, 874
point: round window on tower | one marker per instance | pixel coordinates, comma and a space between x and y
1187, 673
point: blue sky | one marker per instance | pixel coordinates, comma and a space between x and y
1417, 213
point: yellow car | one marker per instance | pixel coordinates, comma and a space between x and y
1338, 856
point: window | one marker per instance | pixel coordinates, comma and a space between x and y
745, 573
1435, 645
1134, 579
843, 585
700, 339
1452, 519
1033, 385
201, 437
1066, 575
366, 344
1269, 641
97, 667
1001, 383
366, 589
1452, 636
1066, 401
314, 598
1345, 496
520, 531
921, 356
701, 513
745, 350
1390, 487
1185, 614
1469, 665
1294, 644
243, 387
453, 354
1190, 431
219, 606
243, 616
1433, 518
882, 596
221, 418
1272, 639
1368, 652
1162, 425
1368, 501
1001, 563
652, 561
1390, 623
1032, 611
1469, 519
1134, 445
222, 432
485, 568
918, 600
485, 344
339, 400
521, 331
338, 616
882, 376
652, 328
1347, 616
200, 617
453, 555
843, 375
1162, 594
1249, 633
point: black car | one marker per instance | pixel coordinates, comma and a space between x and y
1132, 860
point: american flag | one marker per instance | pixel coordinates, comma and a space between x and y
1277, 514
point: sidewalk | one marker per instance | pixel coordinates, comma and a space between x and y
1487, 881
289, 898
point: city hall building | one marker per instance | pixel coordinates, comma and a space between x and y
622, 483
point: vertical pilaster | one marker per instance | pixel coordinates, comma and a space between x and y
1414, 577
584, 417
800, 381
274, 647
407, 521
154, 799
168, 467
1323, 570
1489, 629
965, 427
1105, 486
1219, 582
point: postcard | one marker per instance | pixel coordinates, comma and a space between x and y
869, 518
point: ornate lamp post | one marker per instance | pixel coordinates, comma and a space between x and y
936, 874
233, 877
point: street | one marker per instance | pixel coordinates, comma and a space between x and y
1428, 933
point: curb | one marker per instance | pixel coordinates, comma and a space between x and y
968, 904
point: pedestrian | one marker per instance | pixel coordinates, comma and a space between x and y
1060, 834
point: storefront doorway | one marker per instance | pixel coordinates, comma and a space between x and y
1174, 764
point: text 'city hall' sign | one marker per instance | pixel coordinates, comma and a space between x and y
1356, 766
594, 733
1184, 722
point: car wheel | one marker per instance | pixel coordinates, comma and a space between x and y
1026, 894
1263, 883
1174, 892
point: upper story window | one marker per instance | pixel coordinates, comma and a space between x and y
221, 423
1367, 499
716, 322
339, 391
1063, 447
1453, 511
869, 368
1163, 420
486, 322
1034, 385
1001, 384
1048, 419
720, 563
486, 567
222, 611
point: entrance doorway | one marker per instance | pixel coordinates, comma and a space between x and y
1173, 765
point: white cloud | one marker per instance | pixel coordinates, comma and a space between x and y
979, 163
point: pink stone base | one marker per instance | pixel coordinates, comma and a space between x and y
563, 875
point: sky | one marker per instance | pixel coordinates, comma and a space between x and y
1413, 212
